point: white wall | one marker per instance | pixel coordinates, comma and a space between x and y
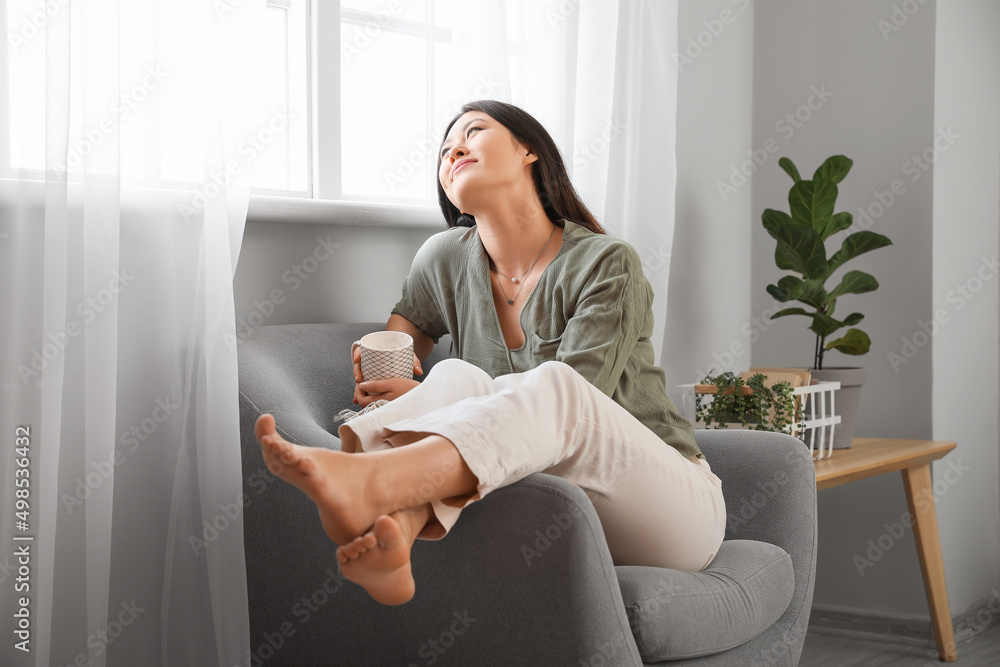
904, 78
876, 107
965, 290
708, 319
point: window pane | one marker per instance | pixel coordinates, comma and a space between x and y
161, 139
26, 77
384, 118
278, 135
413, 10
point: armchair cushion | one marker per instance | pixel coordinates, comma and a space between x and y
676, 614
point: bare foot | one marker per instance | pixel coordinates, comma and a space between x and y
379, 560
341, 485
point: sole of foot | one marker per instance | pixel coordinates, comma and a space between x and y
379, 562
336, 482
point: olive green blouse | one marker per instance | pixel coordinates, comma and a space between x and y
591, 308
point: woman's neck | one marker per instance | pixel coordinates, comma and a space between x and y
514, 239
516, 246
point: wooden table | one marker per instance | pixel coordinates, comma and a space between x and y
868, 457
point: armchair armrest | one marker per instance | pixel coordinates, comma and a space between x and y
769, 482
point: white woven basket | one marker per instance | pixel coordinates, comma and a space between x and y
819, 415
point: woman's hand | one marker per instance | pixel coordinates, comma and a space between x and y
367, 392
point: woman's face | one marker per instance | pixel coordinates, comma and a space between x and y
480, 156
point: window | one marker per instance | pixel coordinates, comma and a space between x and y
388, 52
406, 67
348, 100
162, 146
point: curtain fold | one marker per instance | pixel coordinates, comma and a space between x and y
603, 83
642, 169
117, 292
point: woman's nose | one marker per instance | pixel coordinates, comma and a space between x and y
455, 153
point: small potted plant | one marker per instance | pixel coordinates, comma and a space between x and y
801, 235
749, 404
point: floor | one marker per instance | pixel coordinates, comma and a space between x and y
823, 650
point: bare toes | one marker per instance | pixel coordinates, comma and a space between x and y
264, 425
306, 466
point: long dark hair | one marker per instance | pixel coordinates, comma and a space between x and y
559, 197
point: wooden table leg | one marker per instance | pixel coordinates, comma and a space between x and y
920, 498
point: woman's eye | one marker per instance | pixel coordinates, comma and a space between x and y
468, 133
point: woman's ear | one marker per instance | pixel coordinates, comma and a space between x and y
529, 155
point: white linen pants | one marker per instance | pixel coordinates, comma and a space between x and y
656, 506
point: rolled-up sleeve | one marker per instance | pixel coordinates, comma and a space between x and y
420, 302
608, 319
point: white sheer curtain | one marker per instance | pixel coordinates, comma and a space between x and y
600, 76
116, 266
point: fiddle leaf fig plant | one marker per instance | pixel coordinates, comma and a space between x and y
801, 235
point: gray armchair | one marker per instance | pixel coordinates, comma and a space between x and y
525, 577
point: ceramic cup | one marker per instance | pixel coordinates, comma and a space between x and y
386, 354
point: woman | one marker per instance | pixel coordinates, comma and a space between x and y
551, 319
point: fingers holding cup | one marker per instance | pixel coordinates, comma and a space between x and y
356, 361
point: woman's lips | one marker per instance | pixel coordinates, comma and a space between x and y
459, 165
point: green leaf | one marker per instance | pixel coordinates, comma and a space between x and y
779, 294
838, 222
782, 260
834, 169
789, 283
801, 248
856, 244
787, 288
790, 169
855, 282
812, 203
855, 341
790, 311
853, 319
811, 292
824, 325
774, 220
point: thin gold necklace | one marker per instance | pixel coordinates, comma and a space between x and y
510, 301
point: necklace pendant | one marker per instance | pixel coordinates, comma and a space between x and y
510, 302
515, 280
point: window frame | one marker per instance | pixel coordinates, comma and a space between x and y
324, 64
323, 201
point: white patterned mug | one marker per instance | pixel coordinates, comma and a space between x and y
386, 354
